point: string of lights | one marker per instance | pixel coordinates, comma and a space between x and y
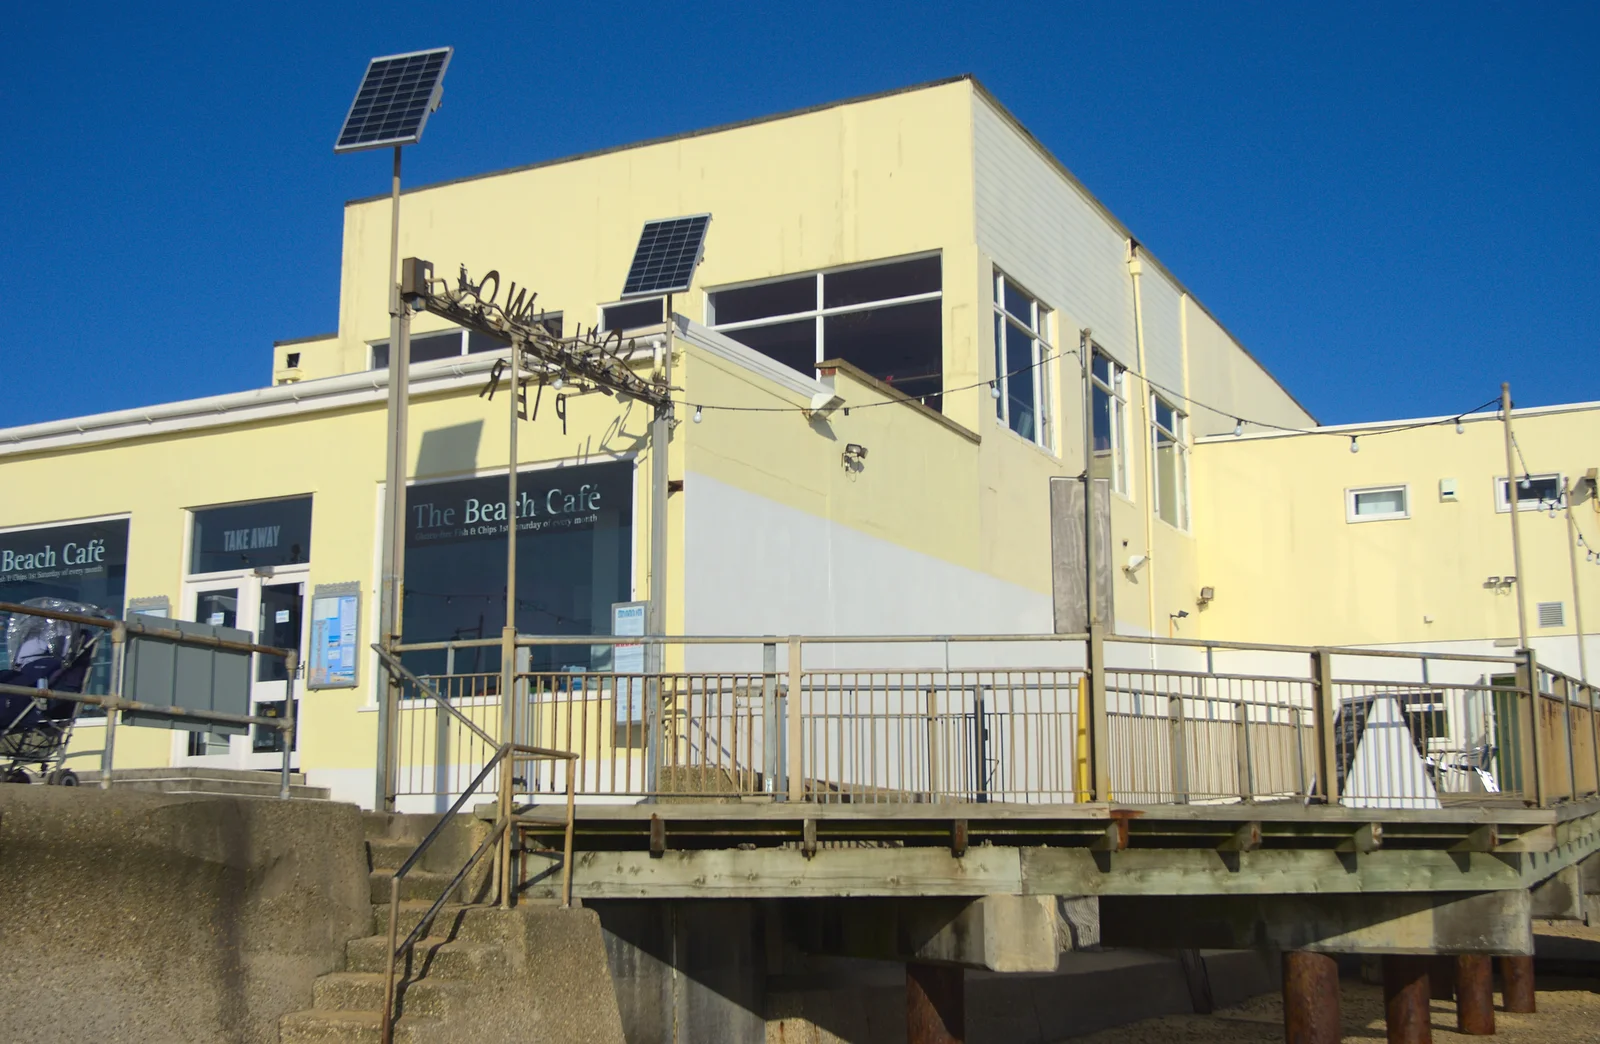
1590, 551
993, 385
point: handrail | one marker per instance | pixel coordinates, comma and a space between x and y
508, 752
396, 667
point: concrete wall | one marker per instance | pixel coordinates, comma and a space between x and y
142, 917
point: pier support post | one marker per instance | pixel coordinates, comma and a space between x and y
1406, 999
1517, 974
1474, 995
936, 1004
1310, 998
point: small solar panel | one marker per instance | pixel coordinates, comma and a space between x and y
668, 252
394, 100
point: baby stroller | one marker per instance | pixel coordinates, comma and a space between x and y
44, 654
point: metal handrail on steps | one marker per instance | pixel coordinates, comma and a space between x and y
509, 752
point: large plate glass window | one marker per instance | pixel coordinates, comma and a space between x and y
1021, 348
574, 559
1170, 448
1108, 379
79, 561
884, 318
1534, 493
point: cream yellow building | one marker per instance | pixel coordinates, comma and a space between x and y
940, 262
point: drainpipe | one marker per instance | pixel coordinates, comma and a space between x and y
1135, 270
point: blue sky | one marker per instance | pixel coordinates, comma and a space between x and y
1393, 206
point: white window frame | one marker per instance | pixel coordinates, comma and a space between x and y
1350, 496
1038, 324
818, 313
1502, 493
1117, 393
1180, 441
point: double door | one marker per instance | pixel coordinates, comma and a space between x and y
272, 608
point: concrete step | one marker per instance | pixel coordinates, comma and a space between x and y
387, 853
473, 922
418, 884
204, 779
353, 1027
398, 825
363, 991
434, 957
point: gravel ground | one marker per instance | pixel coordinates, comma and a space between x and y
1569, 1013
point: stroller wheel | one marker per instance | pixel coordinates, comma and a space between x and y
16, 775
62, 778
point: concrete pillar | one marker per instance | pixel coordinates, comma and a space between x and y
1406, 1000
1310, 998
1474, 995
1442, 977
936, 1004
1517, 975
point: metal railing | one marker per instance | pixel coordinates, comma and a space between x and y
498, 837
1048, 720
113, 703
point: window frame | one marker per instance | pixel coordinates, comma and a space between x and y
1351, 494
1038, 325
1117, 393
820, 313
1502, 493
1179, 439
466, 342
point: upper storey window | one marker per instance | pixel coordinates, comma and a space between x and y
1021, 348
446, 344
1110, 419
885, 318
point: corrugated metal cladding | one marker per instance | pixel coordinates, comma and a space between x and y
1163, 331
1041, 230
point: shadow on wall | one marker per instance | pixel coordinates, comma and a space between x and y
449, 451
140, 917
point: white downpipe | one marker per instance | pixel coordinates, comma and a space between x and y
1135, 270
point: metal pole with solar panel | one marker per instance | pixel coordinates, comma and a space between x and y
392, 105
663, 264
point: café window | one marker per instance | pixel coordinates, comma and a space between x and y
884, 318
447, 344
1021, 349
574, 560
254, 535
84, 562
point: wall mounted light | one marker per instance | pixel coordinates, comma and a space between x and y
854, 456
1135, 563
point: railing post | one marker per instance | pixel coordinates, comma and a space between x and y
1528, 682
1180, 750
1594, 732
797, 790
1246, 764
508, 765
291, 666
1566, 720
1325, 707
119, 645
1100, 720
771, 724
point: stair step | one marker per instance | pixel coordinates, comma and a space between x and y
433, 957
224, 786
418, 884
412, 826
387, 853
363, 991
450, 922
350, 1027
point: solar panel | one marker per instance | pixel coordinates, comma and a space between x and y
394, 100
668, 252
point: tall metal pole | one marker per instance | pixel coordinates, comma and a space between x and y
660, 435
508, 636
1099, 726
1577, 604
1516, 524
393, 557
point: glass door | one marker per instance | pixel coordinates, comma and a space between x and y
280, 613
272, 609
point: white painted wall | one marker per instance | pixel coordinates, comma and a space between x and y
1163, 332
755, 566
